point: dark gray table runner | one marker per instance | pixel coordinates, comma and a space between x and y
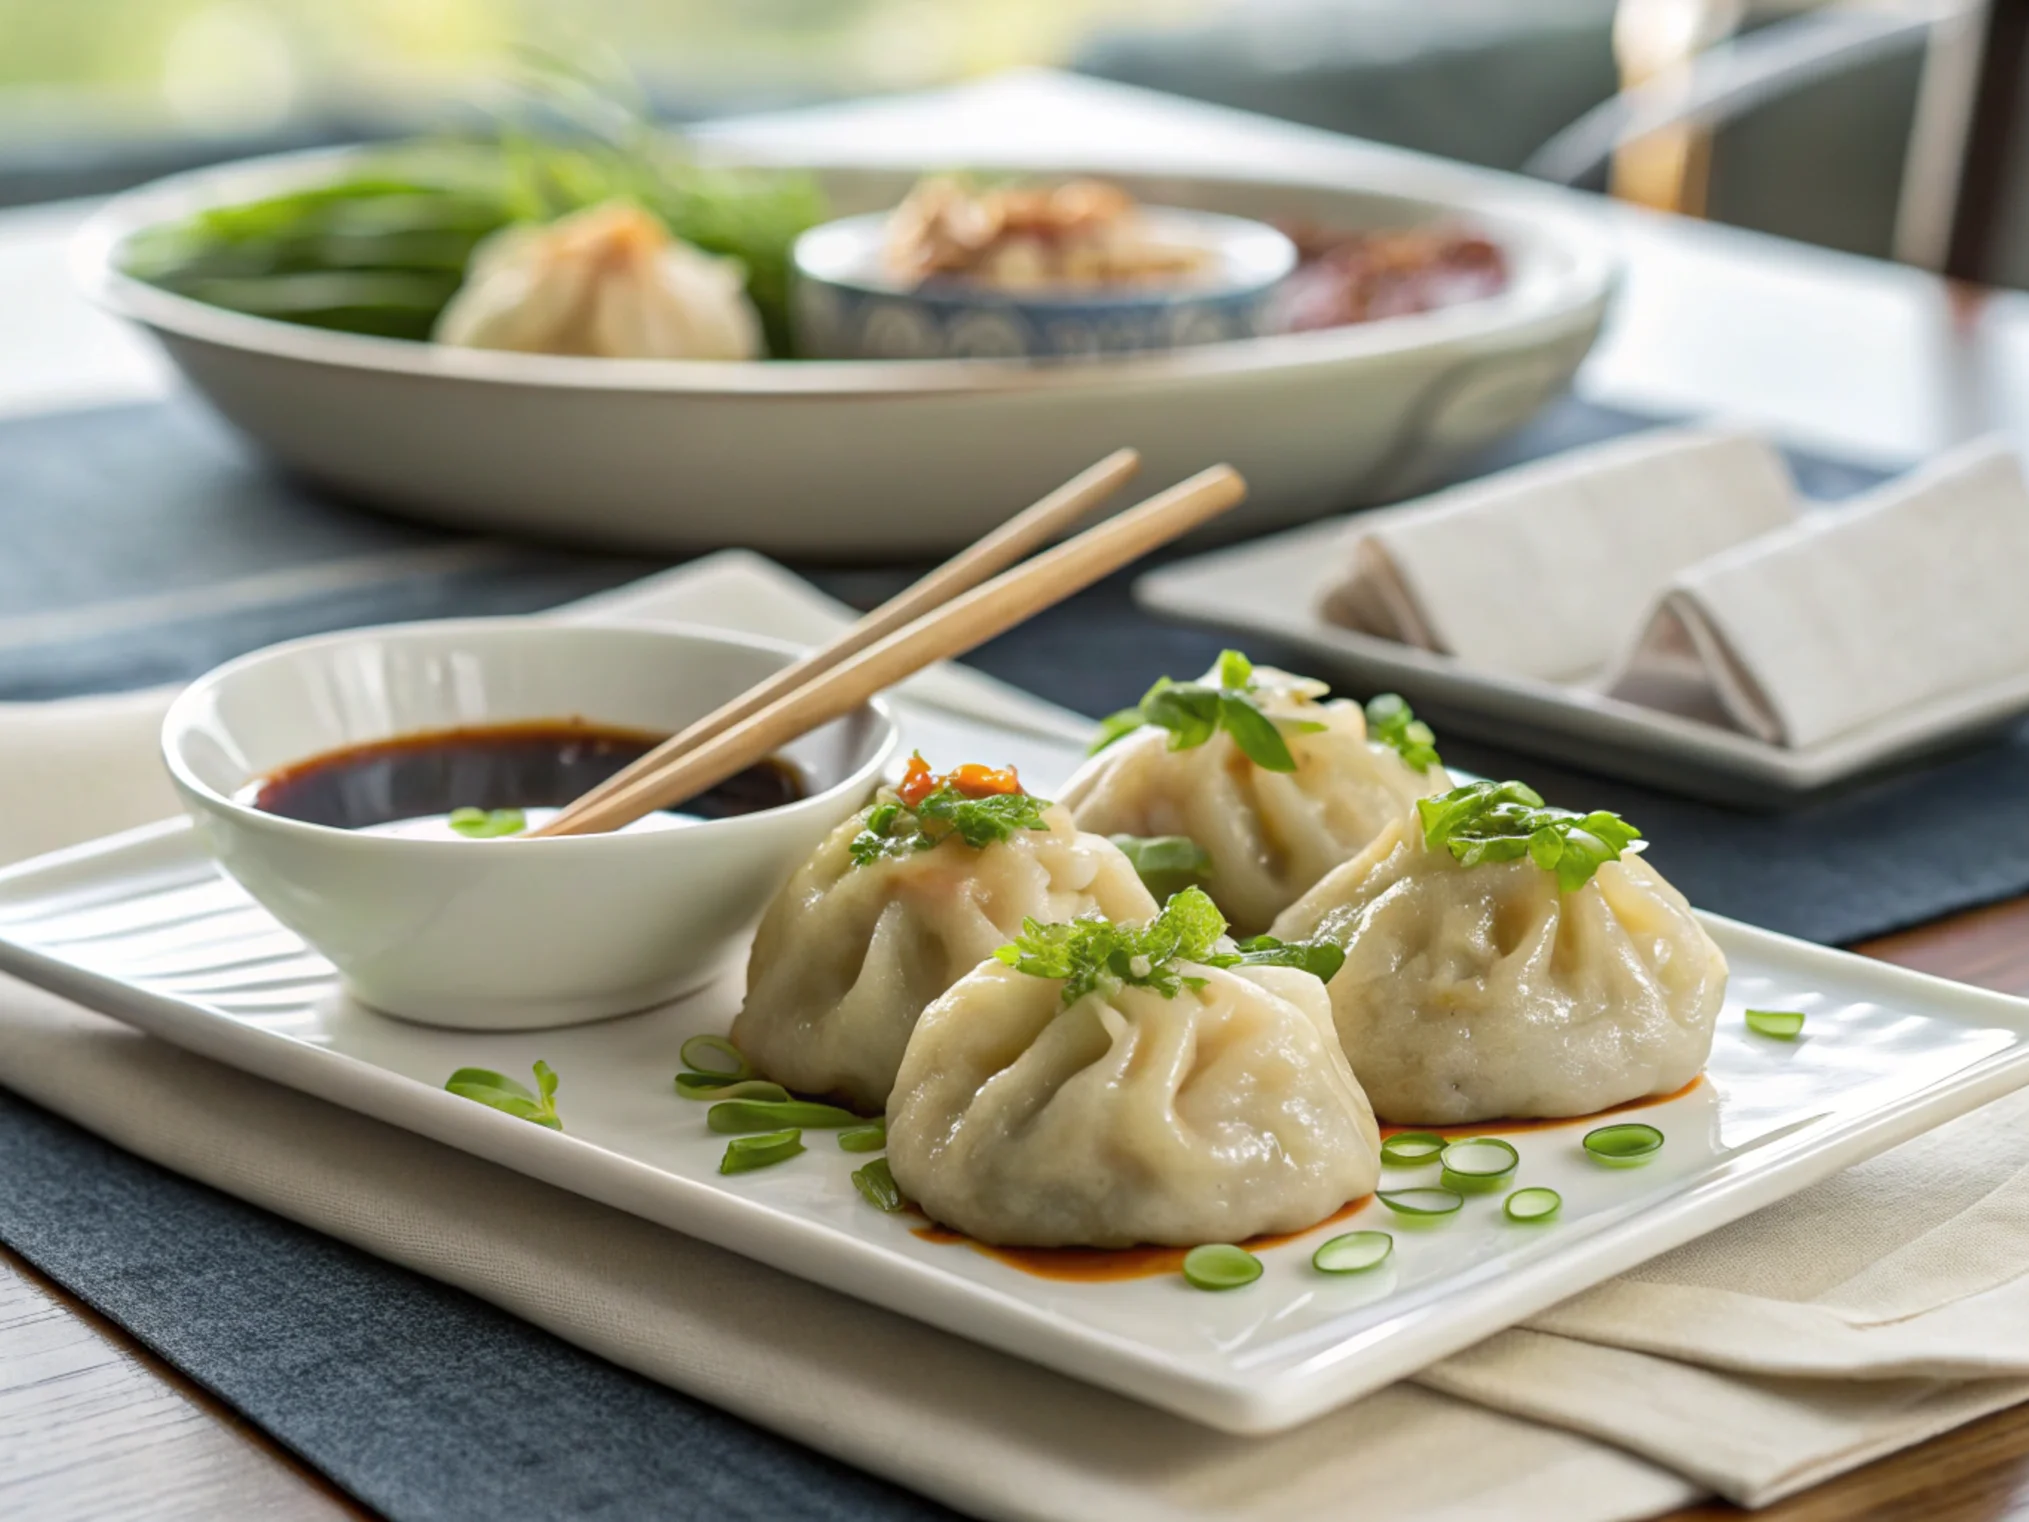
139, 545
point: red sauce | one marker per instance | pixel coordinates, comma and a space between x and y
1107, 1265
1510, 1127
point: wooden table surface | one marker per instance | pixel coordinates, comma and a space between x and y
1846, 355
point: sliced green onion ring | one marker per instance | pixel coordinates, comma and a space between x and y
877, 1185
1421, 1202
773, 1114
1478, 1163
1220, 1265
1534, 1204
698, 1052
712, 1086
1783, 1024
1411, 1149
864, 1138
1624, 1145
746, 1153
1353, 1253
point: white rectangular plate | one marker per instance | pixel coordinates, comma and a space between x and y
143, 927
1271, 586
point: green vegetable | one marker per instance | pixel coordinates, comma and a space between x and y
488, 824
1095, 955
714, 1086
877, 1185
1537, 1204
1421, 1202
895, 831
772, 1114
1220, 1265
1505, 821
1411, 1149
1477, 1164
1166, 864
1353, 1253
1321, 959
746, 1153
1392, 722
1193, 712
381, 251
1783, 1024
505, 1094
869, 1138
1624, 1144
715, 1057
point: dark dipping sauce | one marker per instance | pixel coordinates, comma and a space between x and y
542, 763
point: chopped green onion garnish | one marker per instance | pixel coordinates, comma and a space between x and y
1536, 1204
1411, 1149
877, 1185
1353, 1253
1483, 1162
772, 1114
1621, 1145
864, 1138
488, 824
1783, 1024
1220, 1265
699, 1052
1421, 1202
502, 1093
712, 1086
746, 1153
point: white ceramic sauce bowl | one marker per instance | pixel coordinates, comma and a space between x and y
507, 934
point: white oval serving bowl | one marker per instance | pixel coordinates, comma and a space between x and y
883, 458
504, 934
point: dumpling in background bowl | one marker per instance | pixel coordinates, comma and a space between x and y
1505, 960
607, 282
899, 903
1274, 785
1103, 1086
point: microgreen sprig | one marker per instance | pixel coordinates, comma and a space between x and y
1166, 864
1094, 955
894, 830
1193, 712
509, 1096
1505, 821
1392, 722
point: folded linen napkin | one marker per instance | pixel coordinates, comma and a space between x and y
1003, 1439
1547, 570
1911, 595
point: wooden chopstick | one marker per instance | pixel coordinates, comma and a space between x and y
1029, 530
957, 626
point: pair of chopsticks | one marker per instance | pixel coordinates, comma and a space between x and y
962, 604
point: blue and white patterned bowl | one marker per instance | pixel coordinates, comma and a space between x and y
847, 308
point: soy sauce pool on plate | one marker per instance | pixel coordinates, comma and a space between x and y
410, 784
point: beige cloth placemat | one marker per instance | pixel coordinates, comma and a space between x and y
985, 1433
1863, 1315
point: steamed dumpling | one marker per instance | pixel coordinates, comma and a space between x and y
609, 282
849, 952
1217, 1111
1269, 834
1495, 991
